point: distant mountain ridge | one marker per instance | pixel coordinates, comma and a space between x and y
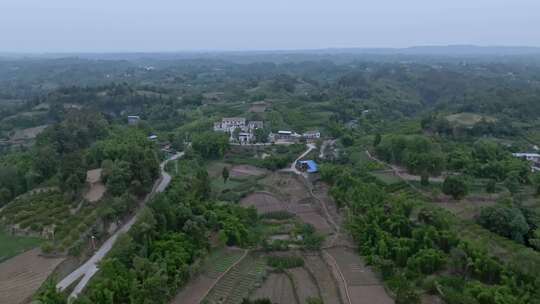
430, 50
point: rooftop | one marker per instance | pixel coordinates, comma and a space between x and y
312, 166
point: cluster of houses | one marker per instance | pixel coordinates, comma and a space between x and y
238, 129
242, 131
532, 158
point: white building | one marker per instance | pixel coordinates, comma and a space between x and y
312, 135
534, 157
229, 124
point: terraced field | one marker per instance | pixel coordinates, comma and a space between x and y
238, 282
217, 263
363, 286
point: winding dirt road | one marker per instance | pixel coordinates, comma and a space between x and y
89, 269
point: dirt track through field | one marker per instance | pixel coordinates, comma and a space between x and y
21, 276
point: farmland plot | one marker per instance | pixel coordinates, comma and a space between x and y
278, 288
263, 202
216, 264
238, 282
21, 276
304, 284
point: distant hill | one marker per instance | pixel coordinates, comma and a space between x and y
449, 50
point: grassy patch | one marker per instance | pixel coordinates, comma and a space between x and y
468, 119
386, 177
13, 245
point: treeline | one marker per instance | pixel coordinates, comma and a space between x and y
417, 250
422, 155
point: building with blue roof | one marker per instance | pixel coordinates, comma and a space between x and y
308, 166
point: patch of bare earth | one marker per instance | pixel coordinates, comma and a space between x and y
278, 288
362, 284
29, 133
246, 171
96, 188
22, 275
304, 284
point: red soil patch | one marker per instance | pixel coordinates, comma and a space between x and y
21, 276
278, 288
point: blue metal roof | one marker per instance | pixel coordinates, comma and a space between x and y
312, 166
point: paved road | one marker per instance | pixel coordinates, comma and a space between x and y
88, 269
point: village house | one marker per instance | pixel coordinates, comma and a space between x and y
533, 158
229, 124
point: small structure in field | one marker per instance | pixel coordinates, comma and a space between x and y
308, 166
153, 137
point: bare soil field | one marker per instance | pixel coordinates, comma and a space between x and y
278, 288
287, 185
304, 284
364, 287
258, 107
320, 190
325, 281
263, 202
96, 188
21, 276
246, 171
29, 133
317, 221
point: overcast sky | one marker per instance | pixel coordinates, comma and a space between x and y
179, 25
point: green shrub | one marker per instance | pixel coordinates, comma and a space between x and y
285, 262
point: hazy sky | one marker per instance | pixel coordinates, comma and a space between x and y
176, 25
